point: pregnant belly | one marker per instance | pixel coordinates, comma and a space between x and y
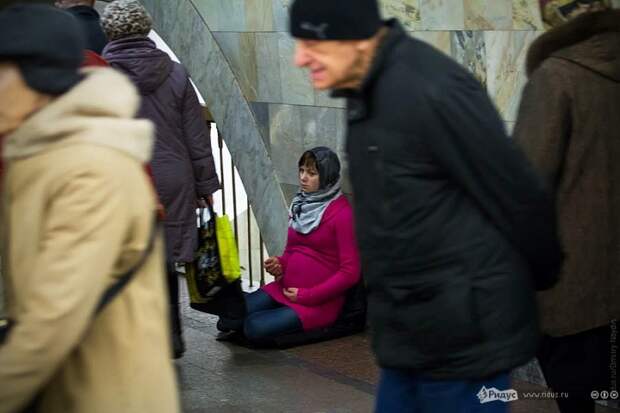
304, 271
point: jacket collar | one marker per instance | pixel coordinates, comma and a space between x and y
99, 111
357, 105
561, 41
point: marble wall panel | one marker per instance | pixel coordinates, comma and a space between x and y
323, 127
261, 114
221, 15
259, 16
286, 136
269, 86
289, 191
505, 61
239, 49
280, 15
442, 14
296, 86
323, 98
407, 11
488, 15
468, 48
441, 40
526, 15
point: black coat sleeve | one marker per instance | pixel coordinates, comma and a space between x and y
468, 139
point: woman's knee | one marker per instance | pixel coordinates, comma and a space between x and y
255, 329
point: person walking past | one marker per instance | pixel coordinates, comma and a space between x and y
77, 217
84, 11
182, 164
565, 126
455, 229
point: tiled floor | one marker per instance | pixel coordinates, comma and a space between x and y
332, 377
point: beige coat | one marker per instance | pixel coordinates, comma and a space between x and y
78, 211
568, 127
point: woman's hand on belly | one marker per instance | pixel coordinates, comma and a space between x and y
291, 293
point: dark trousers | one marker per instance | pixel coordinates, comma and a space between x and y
407, 392
578, 364
266, 318
172, 279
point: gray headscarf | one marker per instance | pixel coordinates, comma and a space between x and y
307, 208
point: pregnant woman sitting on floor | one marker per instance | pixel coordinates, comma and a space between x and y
320, 261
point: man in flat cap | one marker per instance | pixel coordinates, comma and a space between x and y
455, 229
82, 261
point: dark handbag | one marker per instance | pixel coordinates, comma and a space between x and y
106, 298
210, 292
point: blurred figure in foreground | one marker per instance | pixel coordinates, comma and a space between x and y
565, 126
89, 19
77, 216
455, 229
182, 165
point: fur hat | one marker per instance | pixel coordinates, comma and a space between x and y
125, 18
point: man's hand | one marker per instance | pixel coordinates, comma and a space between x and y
291, 293
273, 266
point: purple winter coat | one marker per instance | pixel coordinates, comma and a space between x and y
182, 164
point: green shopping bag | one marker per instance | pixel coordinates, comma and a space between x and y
214, 277
227, 247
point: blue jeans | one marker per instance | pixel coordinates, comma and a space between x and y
405, 392
266, 318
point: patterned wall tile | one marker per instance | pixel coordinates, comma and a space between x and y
506, 53
468, 49
442, 15
526, 15
407, 11
441, 40
488, 15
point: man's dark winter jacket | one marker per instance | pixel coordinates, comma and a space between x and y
183, 165
451, 219
91, 24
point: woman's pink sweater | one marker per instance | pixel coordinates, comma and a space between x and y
322, 264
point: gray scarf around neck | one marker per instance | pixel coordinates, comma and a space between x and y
307, 209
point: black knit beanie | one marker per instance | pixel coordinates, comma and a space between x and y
334, 19
46, 44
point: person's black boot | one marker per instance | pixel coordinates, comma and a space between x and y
178, 345
176, 330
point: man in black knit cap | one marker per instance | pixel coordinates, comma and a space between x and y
455, 229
